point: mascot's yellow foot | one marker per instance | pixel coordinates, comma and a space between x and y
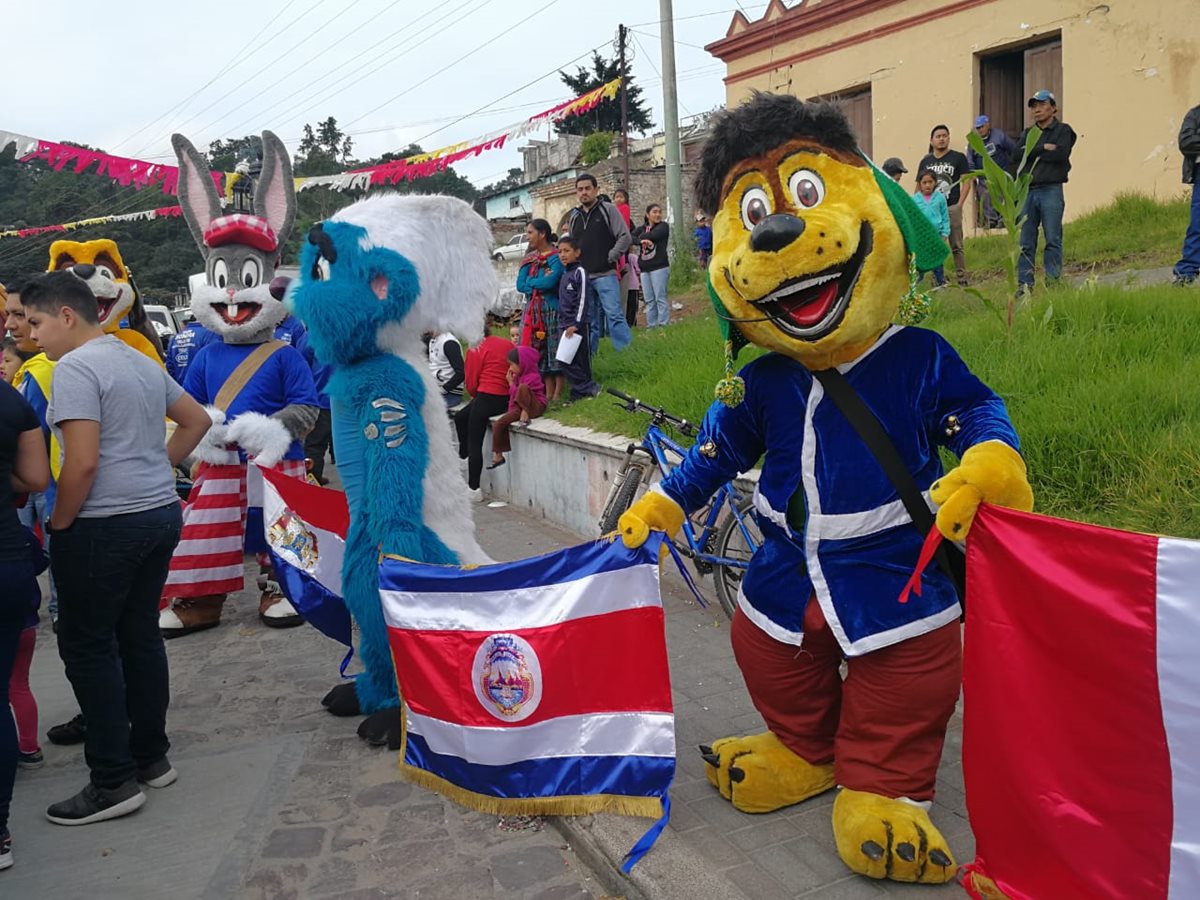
758, 774
884, 838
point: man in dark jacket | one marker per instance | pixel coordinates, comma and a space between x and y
602, 238
1050, 161
1001, 149
1188, 266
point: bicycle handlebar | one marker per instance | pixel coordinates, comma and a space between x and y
632, 404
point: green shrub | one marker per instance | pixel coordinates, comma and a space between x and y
1101, 384
595, 147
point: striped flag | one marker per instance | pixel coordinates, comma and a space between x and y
305, 528
539, 686
1081, 744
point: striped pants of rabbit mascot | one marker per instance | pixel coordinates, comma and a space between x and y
222, 521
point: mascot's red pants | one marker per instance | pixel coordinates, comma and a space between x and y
882, 728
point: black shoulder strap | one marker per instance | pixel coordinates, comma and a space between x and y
869, 428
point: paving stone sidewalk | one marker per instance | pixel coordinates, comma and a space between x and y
278, 799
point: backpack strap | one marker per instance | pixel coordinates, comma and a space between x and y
246, 370
871, 430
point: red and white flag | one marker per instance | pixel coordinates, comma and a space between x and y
1081, 744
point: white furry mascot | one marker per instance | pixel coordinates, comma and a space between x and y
373, 278
259, 392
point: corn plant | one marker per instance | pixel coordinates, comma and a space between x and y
1008, 195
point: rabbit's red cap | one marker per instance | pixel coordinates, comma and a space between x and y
241, 228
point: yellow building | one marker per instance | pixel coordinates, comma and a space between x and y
1125, 73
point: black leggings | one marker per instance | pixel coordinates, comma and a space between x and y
472, 424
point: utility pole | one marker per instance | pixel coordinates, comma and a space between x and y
621, 39
671, 127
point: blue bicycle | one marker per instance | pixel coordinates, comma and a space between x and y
720, 538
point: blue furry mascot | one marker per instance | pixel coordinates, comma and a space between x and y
373, 279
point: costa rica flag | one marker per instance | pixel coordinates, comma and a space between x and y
1081, 738
539, 686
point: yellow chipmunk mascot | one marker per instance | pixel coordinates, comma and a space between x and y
810, 261
99, 263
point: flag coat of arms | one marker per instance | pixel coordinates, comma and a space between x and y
1081, 740
305, 528
539, 686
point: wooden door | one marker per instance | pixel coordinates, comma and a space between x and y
1043, 70
858, 111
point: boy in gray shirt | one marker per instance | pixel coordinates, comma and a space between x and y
114, 527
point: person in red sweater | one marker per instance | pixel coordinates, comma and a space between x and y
487, 383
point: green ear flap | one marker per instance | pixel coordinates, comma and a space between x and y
924, 243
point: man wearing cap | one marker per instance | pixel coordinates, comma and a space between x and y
1188, 266
893, 167
1050, 162
1001, 149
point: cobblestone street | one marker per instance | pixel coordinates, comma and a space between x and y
278, 799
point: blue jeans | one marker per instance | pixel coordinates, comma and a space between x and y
1189, 264
654, 288
110, 574
38, 508
1044, 206
16, 599
606, 299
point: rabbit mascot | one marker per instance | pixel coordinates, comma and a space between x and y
258, 390
373, 279
810, 261
99, 263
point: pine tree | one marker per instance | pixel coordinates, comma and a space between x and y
607, 114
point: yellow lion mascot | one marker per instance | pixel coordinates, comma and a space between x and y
811, 253
99, 263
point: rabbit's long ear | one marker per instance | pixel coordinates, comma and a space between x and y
275, 194
197, 193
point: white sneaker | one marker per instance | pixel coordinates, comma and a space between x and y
475, 494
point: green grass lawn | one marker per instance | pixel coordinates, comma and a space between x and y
1102, 384
1133, 231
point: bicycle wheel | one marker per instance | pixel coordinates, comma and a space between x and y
730, 542
622, 500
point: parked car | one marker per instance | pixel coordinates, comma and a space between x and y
515, 248
164, 321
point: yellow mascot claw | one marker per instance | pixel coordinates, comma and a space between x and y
883, 838
992, 472
758, 774
653, 512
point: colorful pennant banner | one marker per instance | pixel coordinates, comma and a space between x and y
140, 173
163, 212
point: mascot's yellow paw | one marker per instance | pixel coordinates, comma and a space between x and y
884, 838
758, 774
653, 512
991, 472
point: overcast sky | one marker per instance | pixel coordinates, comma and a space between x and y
123, 76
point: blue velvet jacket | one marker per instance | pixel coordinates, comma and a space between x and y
857, 545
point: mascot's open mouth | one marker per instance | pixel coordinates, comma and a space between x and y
104, 306
237, 313
811, 306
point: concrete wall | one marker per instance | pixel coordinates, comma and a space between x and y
562, 473
1131, 70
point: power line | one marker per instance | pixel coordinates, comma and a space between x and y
553, 71
715, 12
228, 67
451, 65
358, 75
312, 34
283, 78
654, 67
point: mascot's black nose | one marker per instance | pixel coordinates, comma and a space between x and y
84, 270
775, 232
